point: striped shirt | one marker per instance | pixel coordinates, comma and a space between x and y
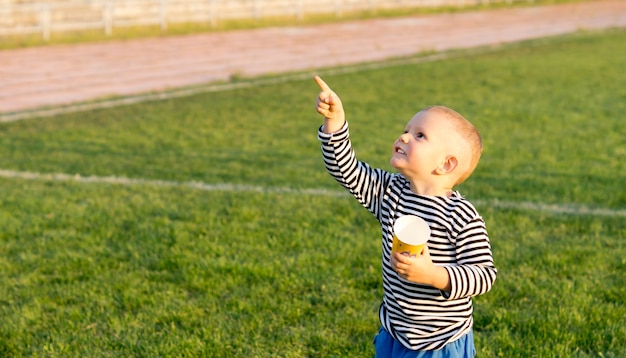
420, 317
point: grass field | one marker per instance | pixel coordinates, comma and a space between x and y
154, 269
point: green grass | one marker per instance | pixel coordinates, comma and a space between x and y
109, 270
175, 29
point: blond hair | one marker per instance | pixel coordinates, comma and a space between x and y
471, 147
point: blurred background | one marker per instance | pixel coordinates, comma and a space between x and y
47, 17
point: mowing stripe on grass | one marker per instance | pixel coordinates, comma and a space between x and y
240, 188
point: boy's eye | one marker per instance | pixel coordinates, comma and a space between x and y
419, 135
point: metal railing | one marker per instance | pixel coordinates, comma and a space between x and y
46, 18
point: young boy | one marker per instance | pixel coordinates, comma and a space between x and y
427, 305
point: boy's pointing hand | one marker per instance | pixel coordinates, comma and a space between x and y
329, 105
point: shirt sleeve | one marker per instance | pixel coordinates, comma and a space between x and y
474, 273
363, 182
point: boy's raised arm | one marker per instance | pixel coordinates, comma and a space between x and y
329, 105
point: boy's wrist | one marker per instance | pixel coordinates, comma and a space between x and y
333, 126
440, 279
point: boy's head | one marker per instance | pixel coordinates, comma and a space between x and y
438, 144
469, 140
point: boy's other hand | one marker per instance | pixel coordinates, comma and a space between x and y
329, 105
421, 269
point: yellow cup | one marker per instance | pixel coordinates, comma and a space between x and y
410, 234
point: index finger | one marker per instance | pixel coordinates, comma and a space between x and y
322, 84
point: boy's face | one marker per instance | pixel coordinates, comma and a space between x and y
423, 146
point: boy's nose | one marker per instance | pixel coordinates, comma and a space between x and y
404, 138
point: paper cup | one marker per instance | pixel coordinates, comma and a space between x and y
410, 234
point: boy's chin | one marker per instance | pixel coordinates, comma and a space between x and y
395, 166
394, 163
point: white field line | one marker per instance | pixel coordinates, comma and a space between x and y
11, 174
578, 210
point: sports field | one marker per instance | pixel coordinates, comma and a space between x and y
206, 226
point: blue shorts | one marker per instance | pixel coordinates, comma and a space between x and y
387, 347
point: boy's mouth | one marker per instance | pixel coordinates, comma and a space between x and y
399, 151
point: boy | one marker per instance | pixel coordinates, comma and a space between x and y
427, 305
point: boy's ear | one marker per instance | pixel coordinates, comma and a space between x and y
448, 165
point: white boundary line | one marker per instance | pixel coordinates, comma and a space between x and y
579, 210
60, 177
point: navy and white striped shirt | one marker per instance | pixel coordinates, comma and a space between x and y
421, 317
